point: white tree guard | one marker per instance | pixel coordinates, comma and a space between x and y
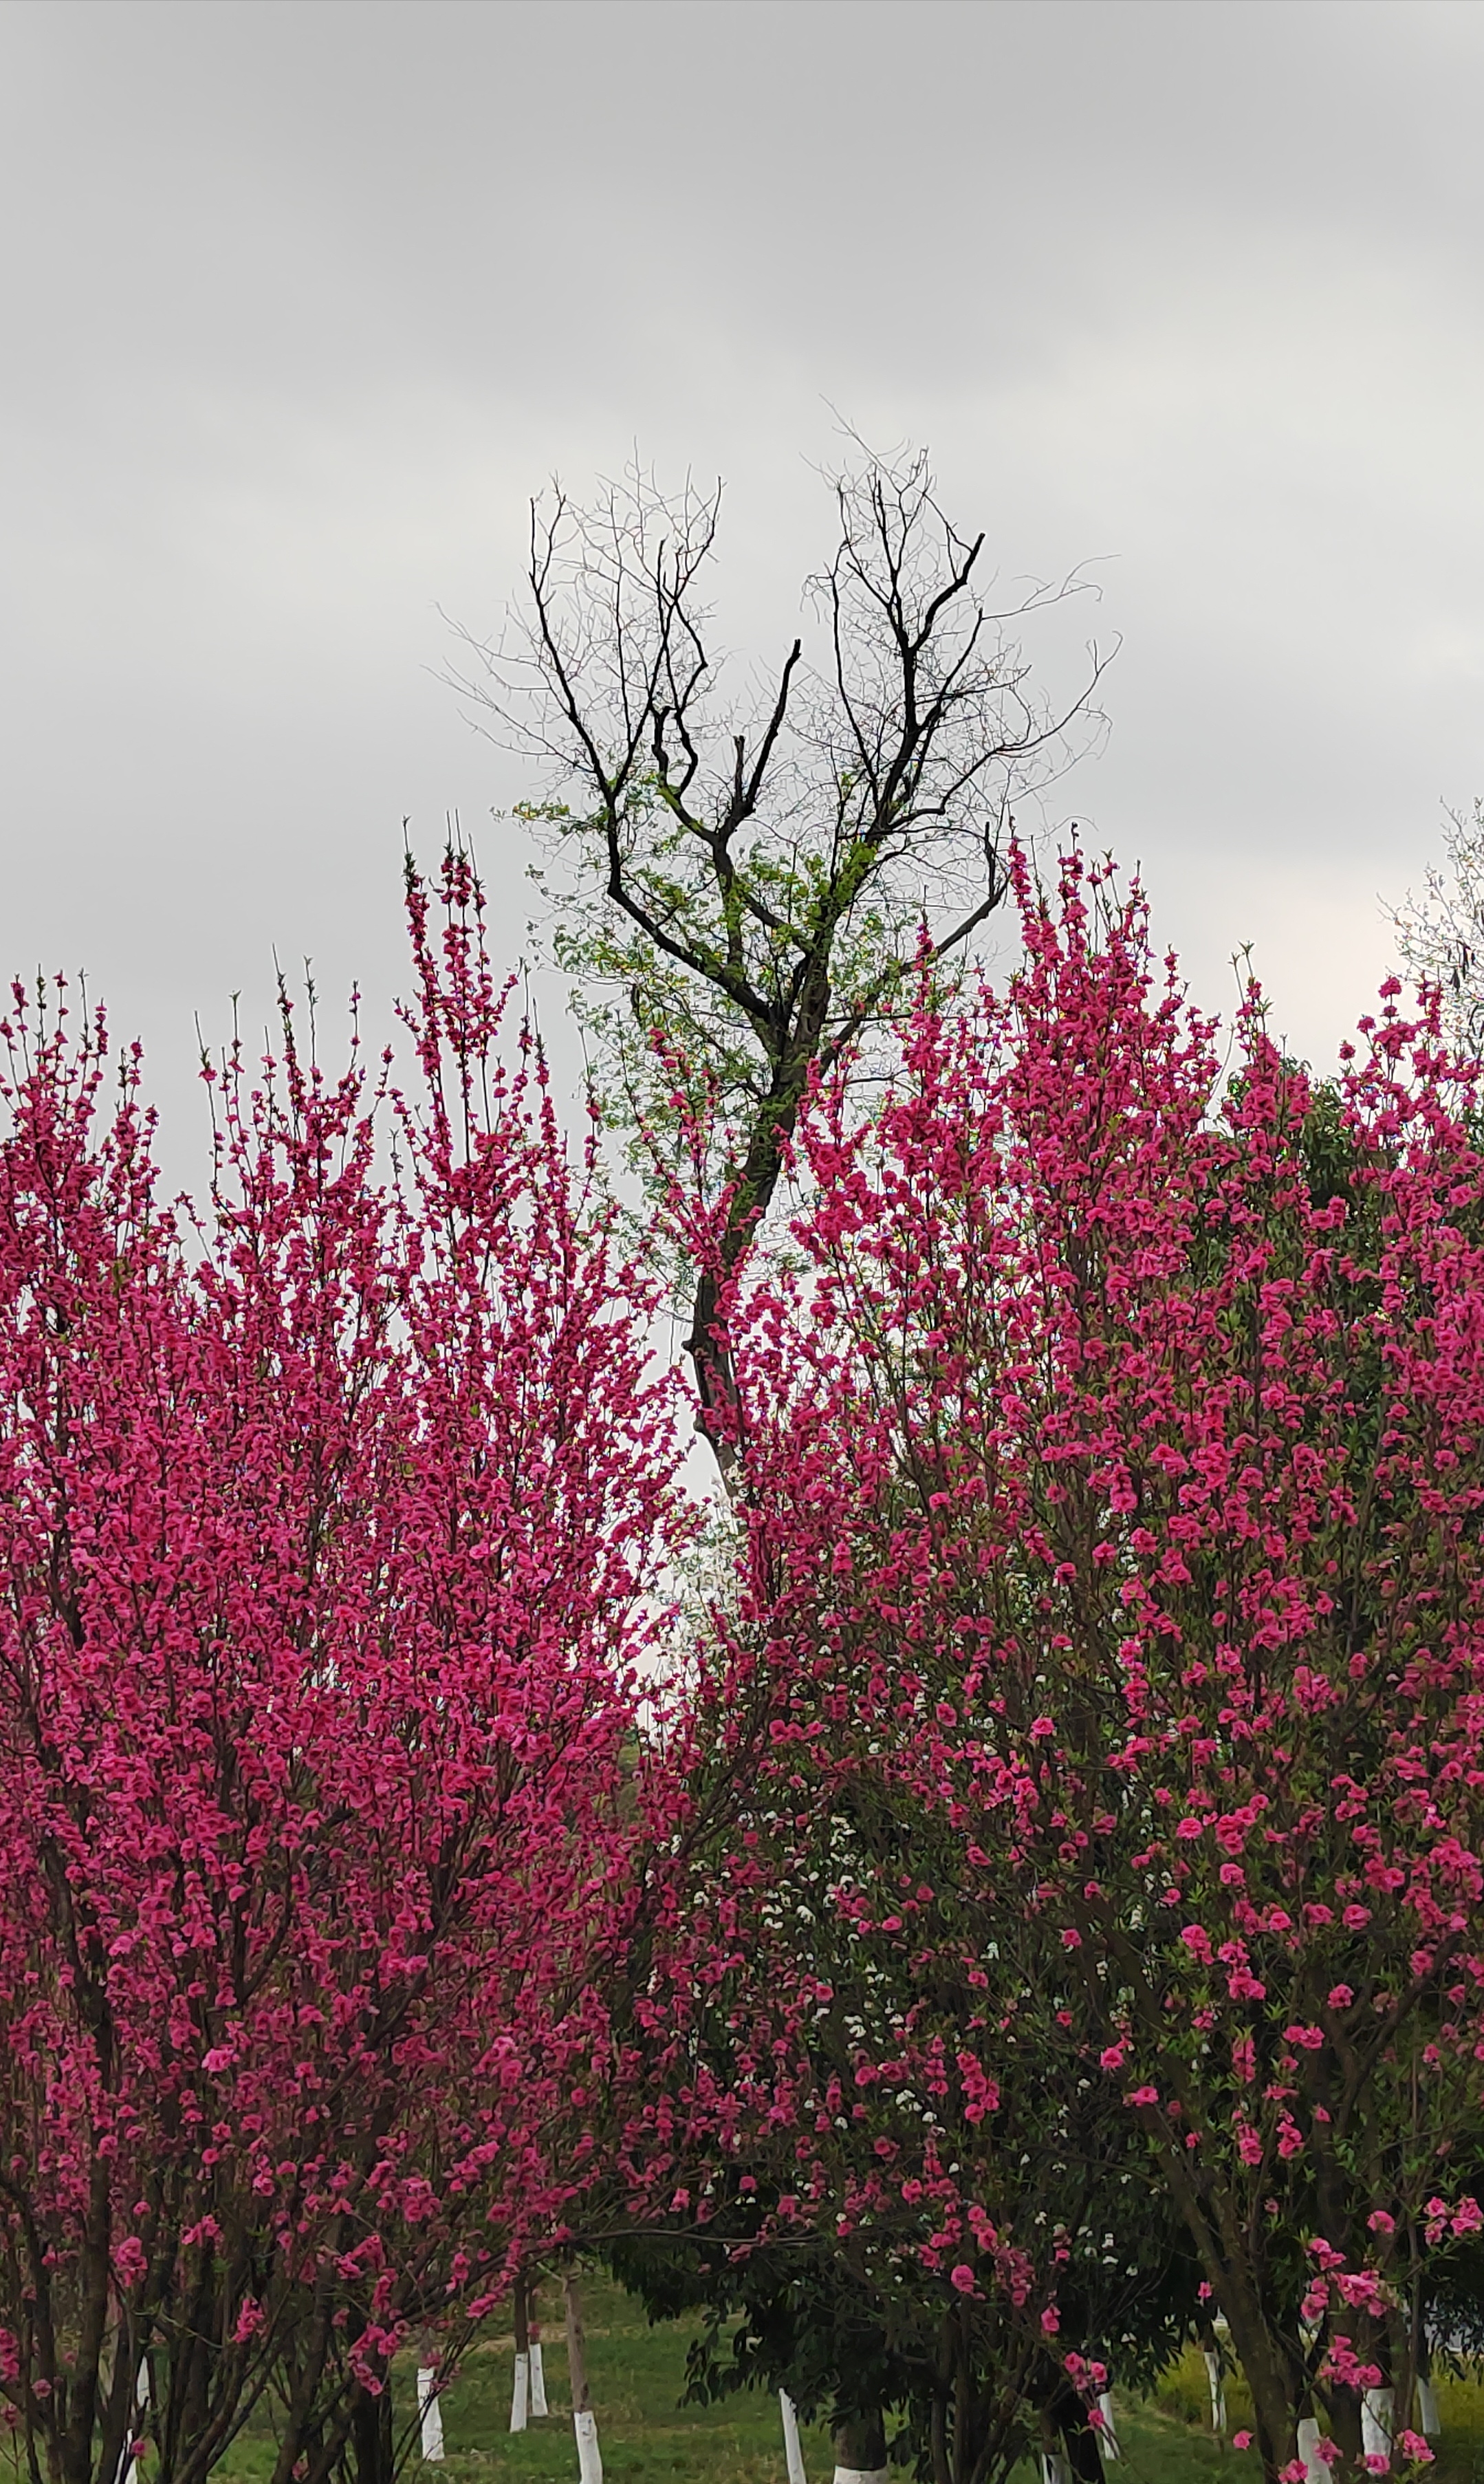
538, 2404
128, 2465
1216, 2383
1054, 2467
1377, 2423
519, 2392
1429, 2422
792, 2449
1108, 2435
585, 2424
430, 2413
862, 2475
1316, 2469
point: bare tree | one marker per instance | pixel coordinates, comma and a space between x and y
749, 882
1441, 935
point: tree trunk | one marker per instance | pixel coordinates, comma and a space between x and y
370, 2436
1215, 2379
520, 2386
430, 2413
1378, 2424
538, 2404
1344, 2412
860, 2449
1084, 2454
1055, 2466
585, 2424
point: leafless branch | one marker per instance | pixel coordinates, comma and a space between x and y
754, 880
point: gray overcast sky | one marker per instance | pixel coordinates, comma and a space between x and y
303, 297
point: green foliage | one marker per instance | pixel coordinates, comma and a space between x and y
724, 1013
1182, 2390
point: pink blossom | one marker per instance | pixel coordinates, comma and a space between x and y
329, 1718
1135, 1425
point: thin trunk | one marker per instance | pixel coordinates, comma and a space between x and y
117, 2388
585, 2424
757, 1180
82, 2397
1274, 2414
127, 2470
1084, 2454
430, 2413
1215, 2380
520, 2386
1342, 2406
1427, 2421
1054, 2466
303, 2387
538, 2404
937, 2439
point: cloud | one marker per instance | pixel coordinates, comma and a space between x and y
302, 302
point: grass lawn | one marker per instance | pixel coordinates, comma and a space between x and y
637, 2373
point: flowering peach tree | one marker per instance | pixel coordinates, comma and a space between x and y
1114, 1462
329, 1529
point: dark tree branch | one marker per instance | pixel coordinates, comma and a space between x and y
861, 785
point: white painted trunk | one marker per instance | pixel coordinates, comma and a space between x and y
1054, 2469
520, 2393
538, 2404
1315, 2469
862, 2475
585, 2424
1428, 2421
1376, 2424
794, 2455
1217, 2386
1108, 2437
430, 2413
129, 2468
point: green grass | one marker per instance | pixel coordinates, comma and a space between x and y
637, 2374
1169, 2443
